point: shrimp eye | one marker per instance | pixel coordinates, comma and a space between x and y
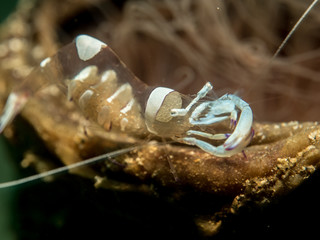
160, 102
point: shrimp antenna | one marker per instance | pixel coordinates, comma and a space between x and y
106, 156
306, 12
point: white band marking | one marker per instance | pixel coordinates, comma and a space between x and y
88, 47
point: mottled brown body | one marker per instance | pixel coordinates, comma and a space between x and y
106, 101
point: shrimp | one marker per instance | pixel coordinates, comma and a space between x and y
107, 92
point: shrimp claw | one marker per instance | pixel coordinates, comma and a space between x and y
211, 112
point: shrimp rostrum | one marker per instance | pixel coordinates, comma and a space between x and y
107, 92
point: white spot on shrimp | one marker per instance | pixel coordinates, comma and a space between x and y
120, 90
104, 116
108, 75
84, 99
123, 124
128, 107
72, 85
45, 62
88, 47
85, 73
160, 103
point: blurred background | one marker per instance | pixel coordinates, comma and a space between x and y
7, 6
8, 165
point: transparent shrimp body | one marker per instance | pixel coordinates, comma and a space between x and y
92, 76
191, 125
105, 90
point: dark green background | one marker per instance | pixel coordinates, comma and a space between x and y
7, 166
7, 6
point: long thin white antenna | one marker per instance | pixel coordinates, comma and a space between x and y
294, 29
68, 167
